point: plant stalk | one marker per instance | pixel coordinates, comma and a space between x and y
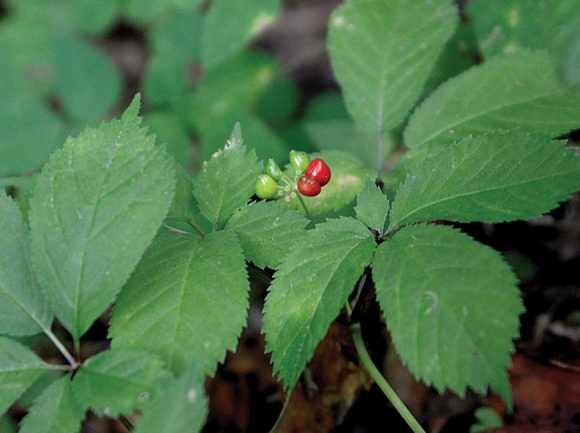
282, 412
303, 203
126, 423
381, 381
64, 352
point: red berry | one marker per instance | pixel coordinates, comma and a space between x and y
308, 186
319, 171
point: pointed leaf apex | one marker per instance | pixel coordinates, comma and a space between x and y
235, 137
133, 108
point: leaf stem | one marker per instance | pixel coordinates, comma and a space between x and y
282, 412
292, 185
381, 381
126, 423
303, 203
64, 352
196, 227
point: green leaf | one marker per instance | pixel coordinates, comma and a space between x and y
171, 132
236, 86
372, 206
382, 53
280, 101
326, 106
23, 309
184, 210
118, 381
226, 182
147, 11
266, 231
516, 91
55, 410
91, 16
487, 418
6, 424
257, 134
19, 368
565, 50
309, 289
29, 132
186, 300
451, 305
461, 52
512, 26
230, 24
86, 81
345, 135
175, 44
497, 177
97, 204
180, 407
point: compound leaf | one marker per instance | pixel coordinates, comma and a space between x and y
382, 53
451, 305
180, 407
503, 176
54, 410
97, 205
309, 289
19, 368
226, 182
231, 23
23, 308
516, 91
118, 381
372, 206
186, 300
266, 231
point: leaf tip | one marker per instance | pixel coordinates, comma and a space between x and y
133, 108
235, 137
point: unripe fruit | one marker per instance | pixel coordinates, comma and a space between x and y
319, 171
266, 187
273, 170
299, 161
308, 186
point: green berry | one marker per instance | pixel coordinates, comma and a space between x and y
299, 161
273, 170
266, 187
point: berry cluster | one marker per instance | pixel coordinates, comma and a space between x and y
310, 177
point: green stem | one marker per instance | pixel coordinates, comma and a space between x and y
65, 353
77, 346
303, 203
380, 380
292, 185
282, 412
